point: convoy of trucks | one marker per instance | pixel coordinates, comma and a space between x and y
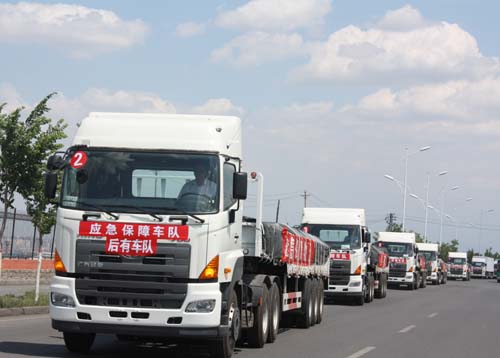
458, 266
358, 270
151, 241
483, 267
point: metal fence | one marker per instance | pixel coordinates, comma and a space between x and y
20, 238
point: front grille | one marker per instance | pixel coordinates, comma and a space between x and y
478, 270
340, 267
455, 271
397, 270
339, 280
158, 281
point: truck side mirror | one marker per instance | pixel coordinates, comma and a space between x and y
240, 183
50, 185
367, 237
55, 162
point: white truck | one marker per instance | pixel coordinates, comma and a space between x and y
151, 241
483, 267
404, 267
357, 271
458, 266
434, 271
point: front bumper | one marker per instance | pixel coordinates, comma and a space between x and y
353, 288
454, 275
408, 279
104, 319
432, 277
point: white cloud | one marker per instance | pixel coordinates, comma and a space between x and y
78, 30
416, 52
403, 19
280, 15
218, 106
190, 29
256, 48
10, 97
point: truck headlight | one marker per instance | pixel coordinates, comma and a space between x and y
355, 284
202, 306
60, 300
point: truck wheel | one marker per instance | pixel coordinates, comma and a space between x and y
78, 342
424, 281
257, 334
224, 348
445, 279
439, 279
321, 298
384, 291
274, 313
314, 299
371, 289
417, 281
304, 320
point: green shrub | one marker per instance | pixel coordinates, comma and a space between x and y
27, 300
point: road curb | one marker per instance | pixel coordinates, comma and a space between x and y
19, 311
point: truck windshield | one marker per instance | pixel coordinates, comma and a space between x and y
338, 237
397, 249
457, 261
429, 255
478, 264
159, 182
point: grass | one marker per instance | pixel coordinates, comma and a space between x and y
27, 300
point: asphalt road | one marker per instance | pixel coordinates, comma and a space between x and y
459, 319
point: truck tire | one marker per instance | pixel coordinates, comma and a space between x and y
445, 279
321, 298
424, 281
224, 347
439, 279
274, 313
314, 301
78, 342
371, 290
381, 291
386, 283
257, 334
417, 281
304, 319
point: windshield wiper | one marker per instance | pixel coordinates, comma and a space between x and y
197, 218
97, 207
141, 209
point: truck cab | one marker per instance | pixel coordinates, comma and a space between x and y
433, 266
458, 266
345, 232
404, 267
482, 267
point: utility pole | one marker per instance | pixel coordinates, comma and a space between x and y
278, 210
305, 195
390, 220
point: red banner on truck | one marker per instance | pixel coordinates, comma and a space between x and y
297, 250
343, 256
132, 238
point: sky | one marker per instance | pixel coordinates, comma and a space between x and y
331, 93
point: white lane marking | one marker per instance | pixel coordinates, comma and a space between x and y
24, 318
407, 329
361, 352
432, 315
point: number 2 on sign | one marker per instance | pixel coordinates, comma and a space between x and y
78, 160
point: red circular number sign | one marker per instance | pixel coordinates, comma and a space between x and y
78, 160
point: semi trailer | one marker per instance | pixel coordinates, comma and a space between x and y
405, 266
458, 266
358, 270
151, 241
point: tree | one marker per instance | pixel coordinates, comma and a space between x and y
446, 248
470, 255
489, 252
24, 145
13, 152
45, 138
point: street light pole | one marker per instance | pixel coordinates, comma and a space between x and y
407, 155
481, 225
442, 212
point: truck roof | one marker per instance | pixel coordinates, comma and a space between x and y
462, 255
408, 237
205, 133
425, 246
340, 216
481, 258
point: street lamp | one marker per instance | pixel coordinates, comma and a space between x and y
481, 224
443, 195
407, 155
